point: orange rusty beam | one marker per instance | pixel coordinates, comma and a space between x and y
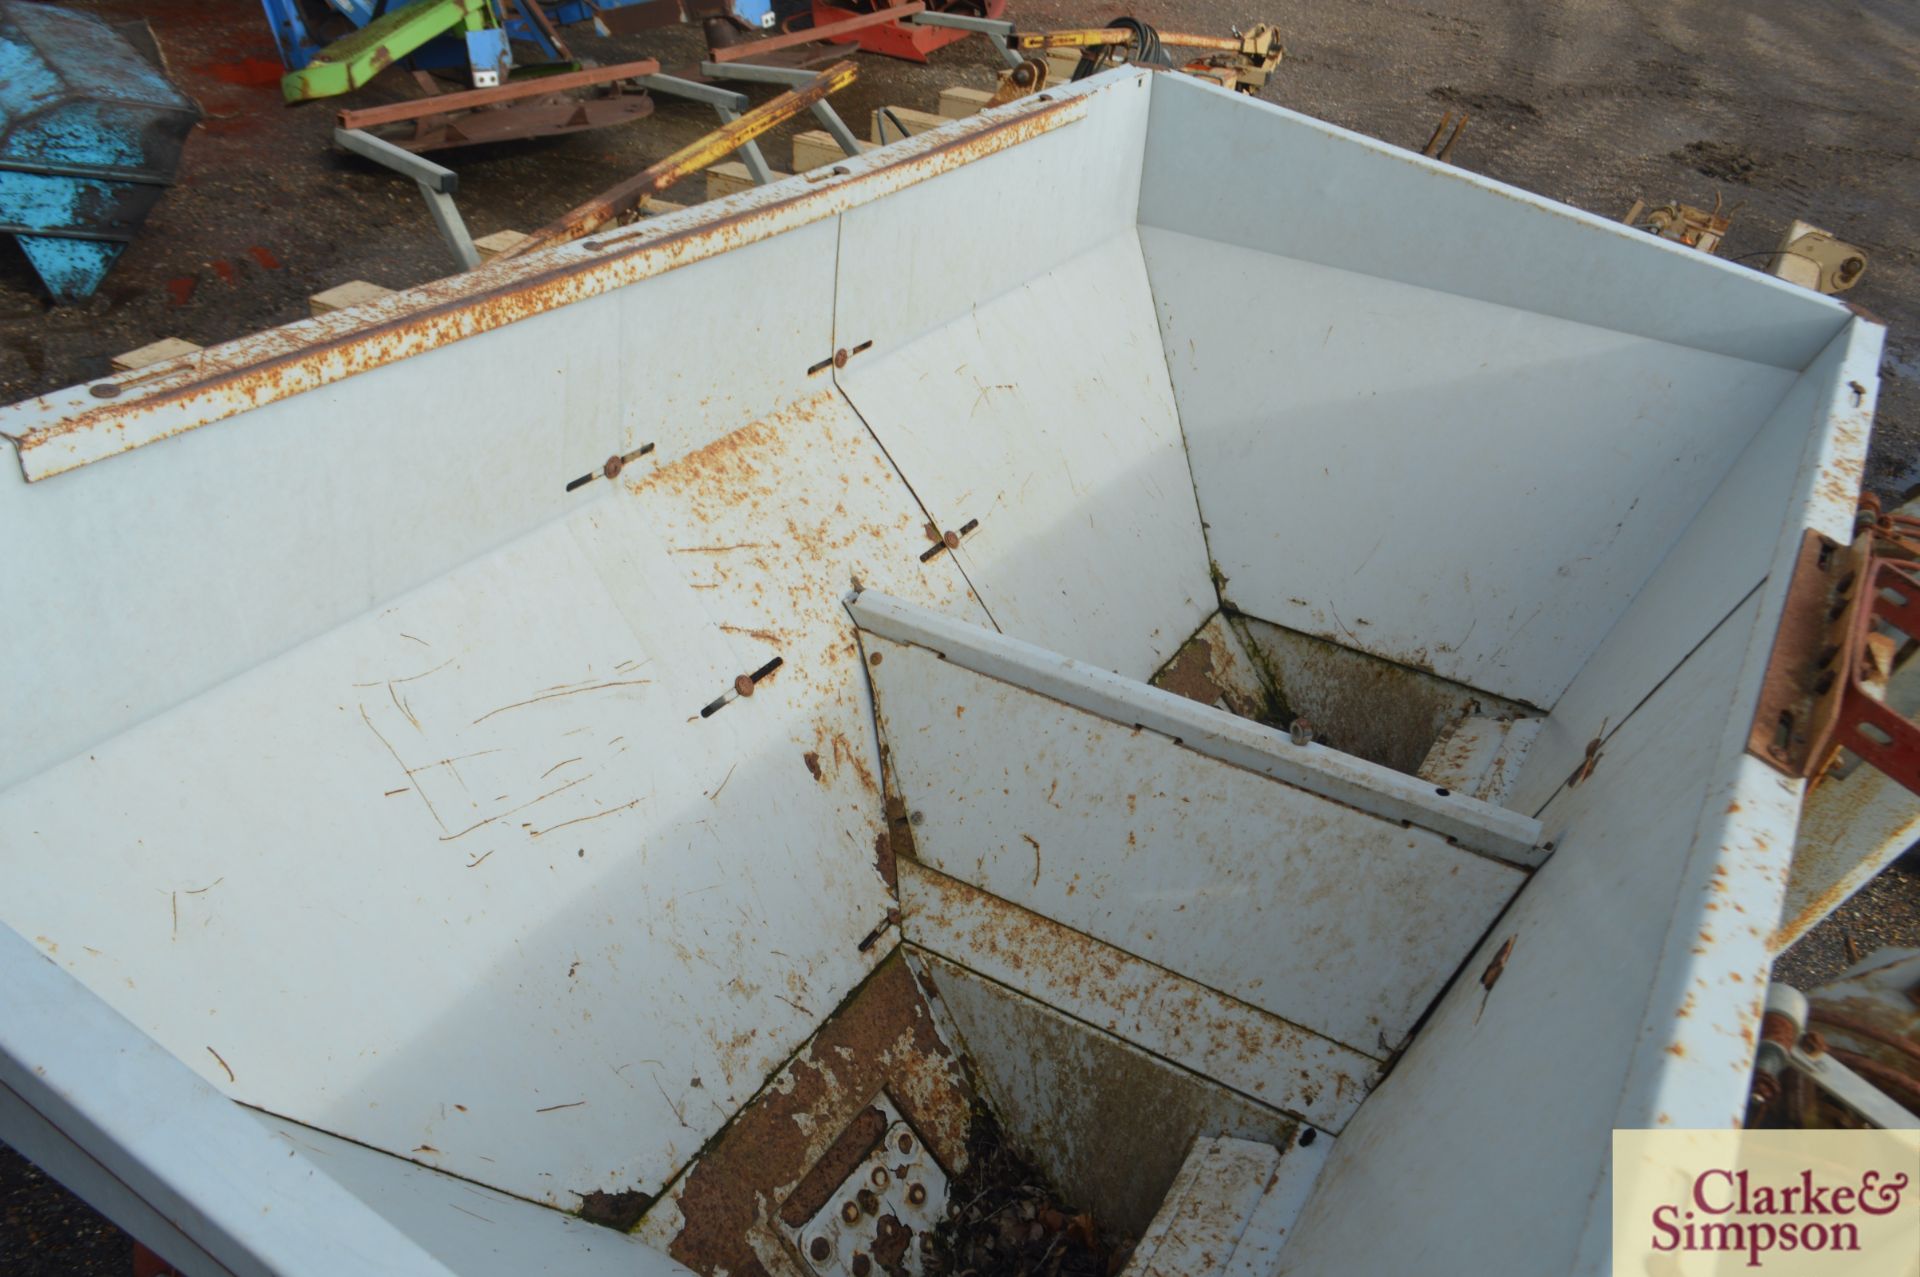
740, 52
689, 159
442, 103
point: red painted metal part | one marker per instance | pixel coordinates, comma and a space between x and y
897, 40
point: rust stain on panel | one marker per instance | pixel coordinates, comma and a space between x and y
260, 369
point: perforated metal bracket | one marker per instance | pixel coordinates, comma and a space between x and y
1827, 677
878, 1218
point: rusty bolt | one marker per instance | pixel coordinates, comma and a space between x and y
820, 1249
916, 1194
861, 1264
840, 357
879, 1177
868, 1202
917, 818
1812, 1043
613, 467
105, 390
906, 1141
1301, 733
951, 539
849, 1213
874, 659
744, 685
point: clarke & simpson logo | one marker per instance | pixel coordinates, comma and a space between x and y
1783, 1203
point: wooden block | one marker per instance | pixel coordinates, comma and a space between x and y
731, 178
654, 208
491, 246
153, 353
816, 149
355, 292
958, 102
886, 128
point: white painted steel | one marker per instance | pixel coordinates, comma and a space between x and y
1258, 1251
1820, 429
1223, 167
255, 657
474, 1230
1545, 1041
1217, 1037
1483, 487
185, 1167
230, 545
1037, 205
491, 812
1211, 732
65, 429
1315, 912
1481, 756
1068, 458
1207, 1210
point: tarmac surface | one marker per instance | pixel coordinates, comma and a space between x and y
1779, 110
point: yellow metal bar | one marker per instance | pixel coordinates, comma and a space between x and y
689, 159
1084, 39
1223, 43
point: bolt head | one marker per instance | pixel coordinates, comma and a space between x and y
861, 1265
849, 1213
868, 1202
744, 685
613, 467
917, 1194
820, 1249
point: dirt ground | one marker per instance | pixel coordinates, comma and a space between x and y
1780, 109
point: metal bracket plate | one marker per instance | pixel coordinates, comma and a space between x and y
1827, 675
879, 1215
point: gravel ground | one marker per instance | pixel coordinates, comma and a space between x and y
46, 1231
1779, 109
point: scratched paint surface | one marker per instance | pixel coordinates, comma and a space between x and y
546, 927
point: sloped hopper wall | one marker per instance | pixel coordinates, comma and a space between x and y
404, 778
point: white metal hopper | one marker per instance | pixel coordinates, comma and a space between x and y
378, 755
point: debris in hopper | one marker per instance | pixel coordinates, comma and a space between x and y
615, 1210
1005, 1220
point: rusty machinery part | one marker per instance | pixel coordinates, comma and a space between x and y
626, 198
1850, 610
517, 109
960, 8
1440, 142
1683, 223
1836, 1059
1242, 61
1813, 258
1028, 78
